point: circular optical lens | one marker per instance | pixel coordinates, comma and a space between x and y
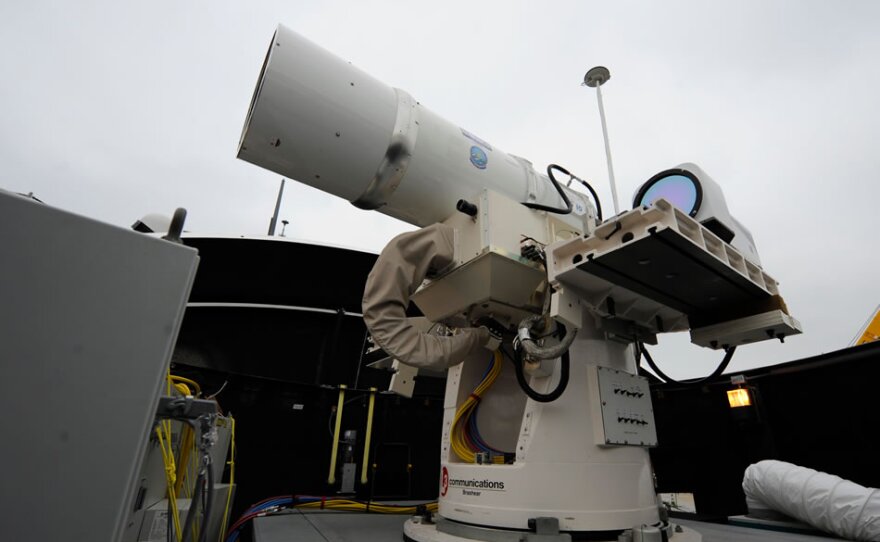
676, 189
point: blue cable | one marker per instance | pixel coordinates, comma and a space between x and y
268, 504
281, 501
478, 439
488, 369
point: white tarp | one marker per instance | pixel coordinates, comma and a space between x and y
825, 501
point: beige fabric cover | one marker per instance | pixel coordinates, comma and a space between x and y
399, 271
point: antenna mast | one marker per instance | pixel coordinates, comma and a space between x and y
597, 77
274, 221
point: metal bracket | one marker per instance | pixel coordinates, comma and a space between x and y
649, 533
626, 331
184, 408
546, 530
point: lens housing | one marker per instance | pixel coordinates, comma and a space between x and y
678, 186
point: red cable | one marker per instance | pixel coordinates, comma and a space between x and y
241, 521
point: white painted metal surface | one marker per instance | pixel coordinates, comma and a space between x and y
403, 381
750, 329
714, 206
319, 120
559, 470
490, 277
427, 532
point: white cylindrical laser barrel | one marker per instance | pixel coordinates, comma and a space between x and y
319, 120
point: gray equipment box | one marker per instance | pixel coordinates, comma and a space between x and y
89, 314
155, 518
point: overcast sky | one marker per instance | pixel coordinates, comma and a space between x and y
119, 109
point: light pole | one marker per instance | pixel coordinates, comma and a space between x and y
597, 77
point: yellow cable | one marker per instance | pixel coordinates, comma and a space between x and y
331, 478
369, 434
167, 448
186, 444
183, 451
223, 524
459, 446
457, 436
168, 459
191, 383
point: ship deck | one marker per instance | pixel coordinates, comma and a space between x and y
318, 526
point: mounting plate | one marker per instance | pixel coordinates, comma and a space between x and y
657, 267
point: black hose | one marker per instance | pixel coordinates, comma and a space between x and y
541, 397
558, 210
193, 505
728, 355
535, 352
209, 494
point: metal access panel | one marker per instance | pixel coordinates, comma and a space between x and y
627, 413
154, 526
89, 314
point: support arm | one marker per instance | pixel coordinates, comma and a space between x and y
399, 271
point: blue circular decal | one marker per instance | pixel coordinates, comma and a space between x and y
478, 157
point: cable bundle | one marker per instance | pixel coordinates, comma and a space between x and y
188, 469
465, 436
